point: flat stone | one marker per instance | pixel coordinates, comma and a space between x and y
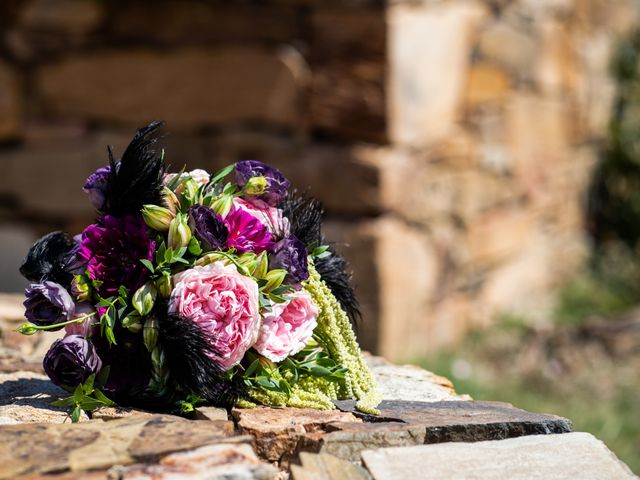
278, 430
470, 421
213, 462
92, 445
408, 382
548, 457
210, 413
25, 397
327, 467
347, 440
115, 413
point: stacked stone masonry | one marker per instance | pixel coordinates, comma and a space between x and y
451, 141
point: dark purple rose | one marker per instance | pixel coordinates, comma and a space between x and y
71, 360
277, 184
290, 254
112, 250
246, 232
48, 303
96, 186
208, 227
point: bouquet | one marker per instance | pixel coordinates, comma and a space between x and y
195, 288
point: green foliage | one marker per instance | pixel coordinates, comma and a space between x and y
86, 396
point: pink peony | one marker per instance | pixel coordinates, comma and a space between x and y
224, 303
270, 217
287, 328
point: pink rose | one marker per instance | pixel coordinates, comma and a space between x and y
224, 303
287, 328
270, 217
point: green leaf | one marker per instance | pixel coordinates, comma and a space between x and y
222, 173
252, 368
148, 264
122, 291
110, 336
284, 386
177, 179
75, 414
194, 246
87, 386
103, 376
63, 402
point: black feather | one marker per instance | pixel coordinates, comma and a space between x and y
136, 179
188, 349
47, 258
305, 218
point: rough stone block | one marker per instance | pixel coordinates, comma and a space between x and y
429, 49
348, 100
278, 431
213, 462
548, 457
11, 104
48, 448
189, 88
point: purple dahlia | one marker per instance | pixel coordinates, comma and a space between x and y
246, 232
277, 184
290, 254
71, 360
113, 248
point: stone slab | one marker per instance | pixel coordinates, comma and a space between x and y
470, 421
25, 397
277, 431
213, 462
548, 457
93, 445
326, 467
408, 382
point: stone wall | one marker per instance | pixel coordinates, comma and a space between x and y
451, 141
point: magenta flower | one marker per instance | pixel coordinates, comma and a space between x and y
246, 232
113, 248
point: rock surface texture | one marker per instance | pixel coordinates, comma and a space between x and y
549, 457
418, 432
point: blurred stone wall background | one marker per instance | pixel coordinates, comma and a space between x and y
450, 141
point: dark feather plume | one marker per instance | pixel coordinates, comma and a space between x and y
305, 218
47, 258
188, 349
137, 179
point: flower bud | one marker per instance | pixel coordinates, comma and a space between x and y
144, 298
274, 279
222, 205
190, 191
256, 186
132, 322
164, 286
179, 232
158, 218
170, 200
27, 329
150, 333
81, 288
262, 266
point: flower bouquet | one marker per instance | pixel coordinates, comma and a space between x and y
194, 288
